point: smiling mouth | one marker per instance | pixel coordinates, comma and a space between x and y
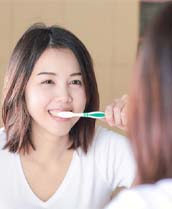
54, 114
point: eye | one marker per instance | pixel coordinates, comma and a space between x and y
47, 82
76, 82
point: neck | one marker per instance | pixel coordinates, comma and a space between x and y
49, 148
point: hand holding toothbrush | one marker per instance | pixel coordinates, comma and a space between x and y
114, 115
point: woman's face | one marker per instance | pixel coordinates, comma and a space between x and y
55, 85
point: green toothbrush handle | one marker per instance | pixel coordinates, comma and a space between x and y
95, 115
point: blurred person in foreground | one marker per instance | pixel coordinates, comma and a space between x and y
150, 120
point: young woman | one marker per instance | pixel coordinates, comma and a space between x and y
150, 120
48, 161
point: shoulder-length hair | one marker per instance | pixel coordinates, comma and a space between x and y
150, 105
32, 44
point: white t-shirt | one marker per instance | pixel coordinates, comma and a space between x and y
88, 183
150, 196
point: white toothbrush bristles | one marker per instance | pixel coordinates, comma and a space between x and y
65, 114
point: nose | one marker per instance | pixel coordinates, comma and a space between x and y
63, 95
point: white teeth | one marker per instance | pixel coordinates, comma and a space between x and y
54, 113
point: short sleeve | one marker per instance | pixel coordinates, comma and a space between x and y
115, 159
145, 196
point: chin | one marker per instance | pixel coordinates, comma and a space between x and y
59, 132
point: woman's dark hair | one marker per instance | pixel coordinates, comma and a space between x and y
150, 112
32, 44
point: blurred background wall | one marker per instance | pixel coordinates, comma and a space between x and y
109, 29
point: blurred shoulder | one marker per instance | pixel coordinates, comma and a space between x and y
2, 137
105, 137
161, 190
145, 196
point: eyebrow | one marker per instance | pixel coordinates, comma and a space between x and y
51, 73
75, 74
46, 73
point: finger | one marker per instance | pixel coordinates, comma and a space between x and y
124, 110
117, 115
124, 117
121, 103
109, 115
124, 97
120, 108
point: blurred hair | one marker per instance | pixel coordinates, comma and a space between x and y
29, 48
150, 105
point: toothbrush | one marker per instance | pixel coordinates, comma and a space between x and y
96, 115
